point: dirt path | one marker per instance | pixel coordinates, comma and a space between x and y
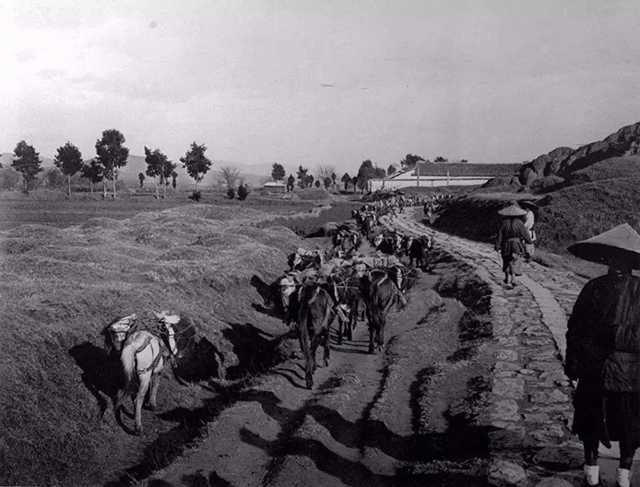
404, 416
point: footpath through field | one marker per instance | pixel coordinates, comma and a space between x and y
530, 414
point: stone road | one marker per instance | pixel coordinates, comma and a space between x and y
530, 415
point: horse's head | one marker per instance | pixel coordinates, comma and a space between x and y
119, 330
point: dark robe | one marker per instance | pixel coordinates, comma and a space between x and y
510, 243
603, 354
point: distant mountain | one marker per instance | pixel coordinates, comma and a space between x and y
6, 158
136, 165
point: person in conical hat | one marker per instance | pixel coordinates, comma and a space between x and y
603, 351
511, 240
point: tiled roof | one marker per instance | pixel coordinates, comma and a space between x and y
466, 169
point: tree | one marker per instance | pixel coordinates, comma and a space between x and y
333, 179
159, 166
410, 161
9, 178
231, 193
27, 162
174, 178
291, 181
277, 172
327, 183
379, 173
196, 163
308, 181
365, 173
229, 175
53, 178
440, 159
354, 182
324, 171
112, 154
302, 176
346, 179
93, 171
69, 161
141, 178
391, 170
243, 192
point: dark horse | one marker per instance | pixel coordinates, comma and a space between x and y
419, 251
315, 314
348, 295
381, 292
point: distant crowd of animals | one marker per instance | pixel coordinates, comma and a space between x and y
341, 283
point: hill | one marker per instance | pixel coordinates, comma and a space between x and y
564, 161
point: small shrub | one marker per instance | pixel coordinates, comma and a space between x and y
195, 196
231, 193
243, 192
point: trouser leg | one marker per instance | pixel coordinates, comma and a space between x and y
626, 456
591, 451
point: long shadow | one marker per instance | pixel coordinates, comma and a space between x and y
102, 372
256, 350
464, 441
199, 361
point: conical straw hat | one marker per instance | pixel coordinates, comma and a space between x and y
512, 210
619, 243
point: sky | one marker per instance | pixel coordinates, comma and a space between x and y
319, 83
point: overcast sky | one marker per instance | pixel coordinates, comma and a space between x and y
319, 82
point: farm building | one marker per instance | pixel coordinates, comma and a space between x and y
275, 186
431, 174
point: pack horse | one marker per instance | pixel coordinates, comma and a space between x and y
142, 358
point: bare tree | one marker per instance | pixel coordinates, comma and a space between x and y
324, 171
228, 176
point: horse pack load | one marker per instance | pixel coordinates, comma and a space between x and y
322, 286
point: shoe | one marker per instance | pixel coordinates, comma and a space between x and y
591, 474
624, 479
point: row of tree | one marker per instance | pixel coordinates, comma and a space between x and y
111, 157
326, 174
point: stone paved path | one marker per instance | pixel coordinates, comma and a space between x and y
531, 412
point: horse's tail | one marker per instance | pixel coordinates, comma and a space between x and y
128, 360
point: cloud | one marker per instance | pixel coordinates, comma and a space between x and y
24, 56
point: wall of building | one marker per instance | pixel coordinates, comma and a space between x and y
427, 182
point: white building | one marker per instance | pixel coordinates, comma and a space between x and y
275, 186
431, 175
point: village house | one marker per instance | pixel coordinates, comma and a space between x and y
435, 174
275, 186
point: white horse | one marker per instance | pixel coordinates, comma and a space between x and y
142, 359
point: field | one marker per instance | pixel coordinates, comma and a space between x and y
71, 267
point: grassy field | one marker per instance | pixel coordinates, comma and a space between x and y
53, 208
71, 267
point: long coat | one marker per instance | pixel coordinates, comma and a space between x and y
603, 354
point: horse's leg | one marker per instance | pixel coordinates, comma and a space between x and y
142, 392
327, 349
381, 326
305, 347
372, 333
341, 330
153, 391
